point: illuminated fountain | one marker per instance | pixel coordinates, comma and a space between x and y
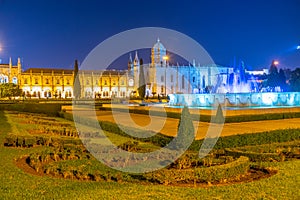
268, 99
237, 94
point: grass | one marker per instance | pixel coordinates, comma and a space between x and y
16, 184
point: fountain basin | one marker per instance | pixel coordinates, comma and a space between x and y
237, 100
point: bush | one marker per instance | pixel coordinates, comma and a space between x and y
30, 141
158, 139
254, 156
251, 139
205, 174
51, 109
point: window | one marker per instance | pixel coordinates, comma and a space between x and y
68, 81
122, 82
36, 81
57, 81
87, 82
15, 80
162, 78
182, 82
47, 81
194, 79
171, 78
114, 82
162, 89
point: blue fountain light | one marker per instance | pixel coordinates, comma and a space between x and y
237, 100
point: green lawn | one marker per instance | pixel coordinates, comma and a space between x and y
16, 184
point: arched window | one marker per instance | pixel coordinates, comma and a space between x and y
15, 80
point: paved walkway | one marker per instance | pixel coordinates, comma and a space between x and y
168, 126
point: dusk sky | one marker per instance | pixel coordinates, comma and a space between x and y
53, 33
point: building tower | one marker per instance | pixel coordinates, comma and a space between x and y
19, 66
10, 71
136, 68
130, 65
158, 52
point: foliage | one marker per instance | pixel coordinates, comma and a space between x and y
273, 76
198, 174
157, 139
251, 139
208, 118
77, 86
185, 131
17, 184
254, 156
10, 90
219, 118
13, 140
295, 80
50, 109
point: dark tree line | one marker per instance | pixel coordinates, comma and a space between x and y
277, 78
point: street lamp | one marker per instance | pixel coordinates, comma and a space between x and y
298, 47
276, 62
166, 58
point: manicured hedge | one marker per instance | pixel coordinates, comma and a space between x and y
254, 156
51, 109
208, 118
222, 142
158, 139
205, 174
12, 140
251, 139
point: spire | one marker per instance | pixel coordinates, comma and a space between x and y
158, 40
19, 65
136, 56
10, 62
130, 58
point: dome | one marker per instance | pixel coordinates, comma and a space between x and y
158, 45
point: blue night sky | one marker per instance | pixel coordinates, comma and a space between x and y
55, 33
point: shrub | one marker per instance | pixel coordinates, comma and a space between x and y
51, 109
251, 139
254, 156
205, 174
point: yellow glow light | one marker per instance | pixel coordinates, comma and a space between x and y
276, 62
165, 57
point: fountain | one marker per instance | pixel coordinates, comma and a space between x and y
237, 94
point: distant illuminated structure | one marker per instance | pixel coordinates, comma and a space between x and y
10, 73
161, 78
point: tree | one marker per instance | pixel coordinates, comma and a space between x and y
185, 131
219, 118
273, 76
295, 80
76, 84
142, 85
10, 90
282, 80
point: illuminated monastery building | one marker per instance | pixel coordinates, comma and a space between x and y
160, 78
